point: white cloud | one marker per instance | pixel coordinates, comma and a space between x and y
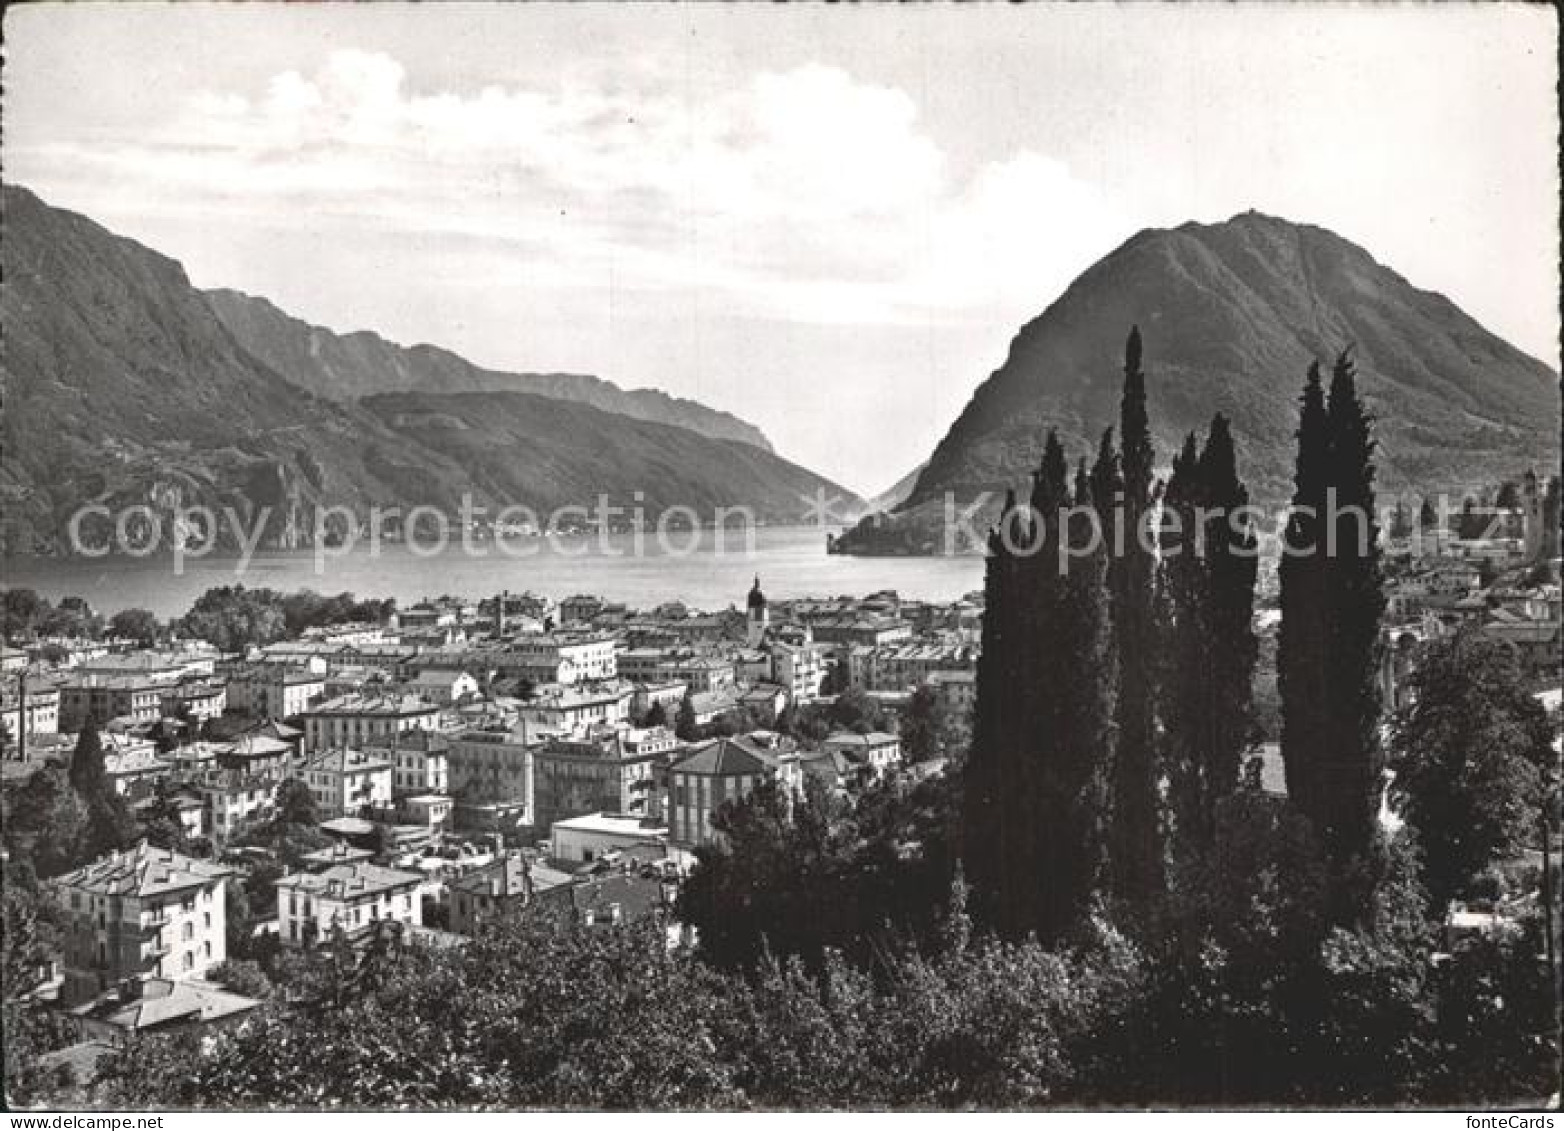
803, 194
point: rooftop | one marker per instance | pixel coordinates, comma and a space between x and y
616, 824
350, 881
143, 871
342, 760
372, 705
159, 1001
726, 757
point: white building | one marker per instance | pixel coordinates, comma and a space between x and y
876, 750
357, 720
142, 913
344, 781
587, 838
442, 686
352, 896
275, 691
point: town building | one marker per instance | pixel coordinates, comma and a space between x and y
233, 799
876, 751
145, 912
591, 836
275, 691
499, 888
420, 761
722, 770
132, 765
608, 771
569, 707
492, 766
356, 720
196, 700
757, 617
345, 782
799, 669
257, 755
956, 691
354, 897
41, 706
100, 698
559, 657
158, 1007
443, 686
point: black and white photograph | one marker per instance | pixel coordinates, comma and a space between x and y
744, 557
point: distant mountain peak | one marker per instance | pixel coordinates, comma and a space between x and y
1232, 312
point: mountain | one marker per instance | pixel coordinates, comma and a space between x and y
122, 387
898, 492
1232, 314
345, 367
633, 462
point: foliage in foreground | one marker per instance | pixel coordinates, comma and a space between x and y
541, 1014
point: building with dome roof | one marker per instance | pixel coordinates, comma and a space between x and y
758, 616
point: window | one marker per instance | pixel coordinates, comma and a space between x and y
206, 950
189, 960
208, 920
187, 932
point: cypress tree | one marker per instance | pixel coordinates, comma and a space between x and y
88, 775
1082, 677
1301, 640
994, 732
1328, 650
1356, 602
1135, 849
1184, 650
1033, 790
1231, 565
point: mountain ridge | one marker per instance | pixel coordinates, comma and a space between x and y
357, 363
1232, 314
123, 390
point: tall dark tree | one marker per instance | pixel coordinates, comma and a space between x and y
684, 722
1135, 846
996, 725
1357, 606
1207, 580
1232, 566
1034, 780
88, 776
1184, 652
1332, 604
110, 824
1301, 654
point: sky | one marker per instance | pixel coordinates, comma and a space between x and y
830, 221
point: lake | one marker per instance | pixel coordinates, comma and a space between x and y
790, 561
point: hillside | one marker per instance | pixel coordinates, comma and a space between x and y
667, 466
898, 492
1232, 314
122, 387
345, 367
